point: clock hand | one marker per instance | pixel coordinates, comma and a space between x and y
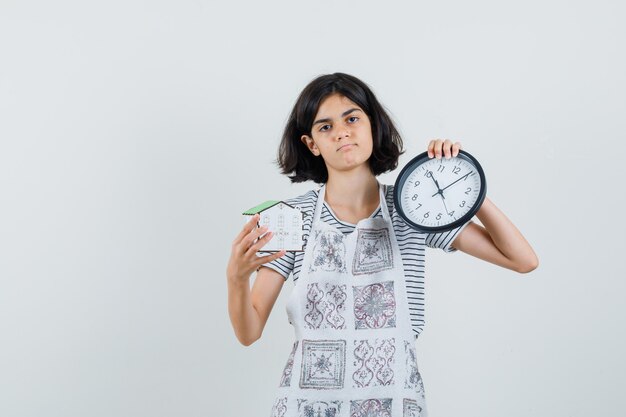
439, 190
463, 177
443, 200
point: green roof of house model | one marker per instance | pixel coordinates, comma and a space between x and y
257, 209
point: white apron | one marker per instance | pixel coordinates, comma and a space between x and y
354, 353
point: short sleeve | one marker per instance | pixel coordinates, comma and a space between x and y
282, 265
443, 240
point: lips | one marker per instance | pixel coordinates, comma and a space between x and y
346, 146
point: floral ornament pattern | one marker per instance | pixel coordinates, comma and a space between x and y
279, 409
323, 364
373, 252
325, 308
411, 409
329, 252
372, 407
285, 380
374, 362
310, 408
374, 306
413, 377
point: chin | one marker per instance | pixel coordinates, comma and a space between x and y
349, 166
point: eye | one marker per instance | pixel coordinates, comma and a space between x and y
351, 119
322, 128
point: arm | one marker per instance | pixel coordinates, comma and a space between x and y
498, 242
249, 308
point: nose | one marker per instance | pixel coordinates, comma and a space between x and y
343, 133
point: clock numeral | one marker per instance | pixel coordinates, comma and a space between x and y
462, 204
456, 170
428, 174
426, 214
441, 168
418, 206
438, 216
451, 213
468, 190
414, 197
416, 184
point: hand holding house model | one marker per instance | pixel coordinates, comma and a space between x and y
284, 220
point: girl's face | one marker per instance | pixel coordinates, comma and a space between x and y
342, 134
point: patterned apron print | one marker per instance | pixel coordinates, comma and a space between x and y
354, 353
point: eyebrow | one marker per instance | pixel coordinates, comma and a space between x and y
345, 113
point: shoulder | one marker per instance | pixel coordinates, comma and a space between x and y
388, 190
305, 201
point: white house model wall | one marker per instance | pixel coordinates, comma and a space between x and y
286, 222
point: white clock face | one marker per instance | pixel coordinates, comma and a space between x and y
440, 191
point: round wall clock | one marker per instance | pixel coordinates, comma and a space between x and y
435, 195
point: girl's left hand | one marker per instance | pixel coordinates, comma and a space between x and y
438, 146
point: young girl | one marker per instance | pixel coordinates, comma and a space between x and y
357, 306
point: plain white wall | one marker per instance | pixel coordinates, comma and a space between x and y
134, 133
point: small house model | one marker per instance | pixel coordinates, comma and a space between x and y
285, 221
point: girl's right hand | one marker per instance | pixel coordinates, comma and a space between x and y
243, 258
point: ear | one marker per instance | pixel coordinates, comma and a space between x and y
310, 143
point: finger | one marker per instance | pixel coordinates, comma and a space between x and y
447, 145
242, 247
261, 242
247, 228
250, 238
431, 148
438, 146
456, 148
269, 258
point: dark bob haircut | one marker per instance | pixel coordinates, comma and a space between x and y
296, 160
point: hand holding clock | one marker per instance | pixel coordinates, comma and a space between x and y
438, 146
435, 148
417, 204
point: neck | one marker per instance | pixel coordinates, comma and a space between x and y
352, 189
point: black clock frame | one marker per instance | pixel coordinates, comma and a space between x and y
415, 163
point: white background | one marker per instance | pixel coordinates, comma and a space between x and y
134, 133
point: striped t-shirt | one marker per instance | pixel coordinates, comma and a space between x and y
411, 242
